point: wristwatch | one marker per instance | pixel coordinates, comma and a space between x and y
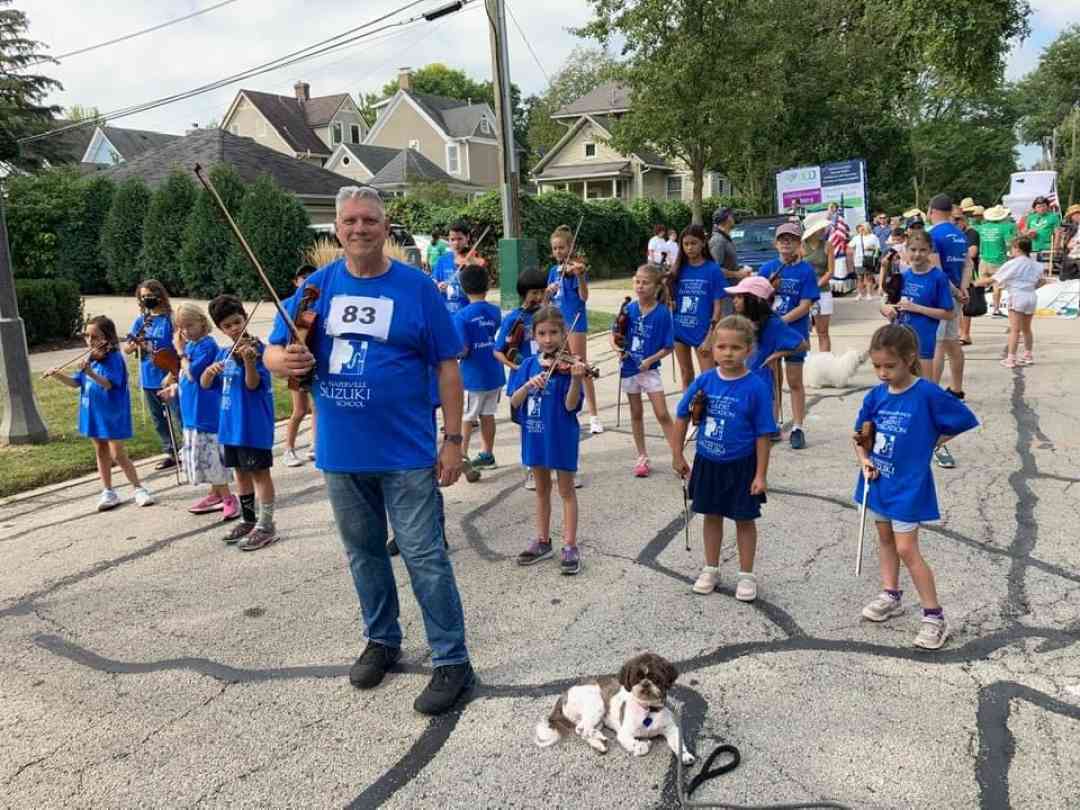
454, 438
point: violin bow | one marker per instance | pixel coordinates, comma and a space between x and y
209, 186
480, 241
243, 331
73, 360
561, 349
573, 244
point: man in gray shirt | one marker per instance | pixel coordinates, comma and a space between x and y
722, 248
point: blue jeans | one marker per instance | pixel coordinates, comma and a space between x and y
361, 504
153, 404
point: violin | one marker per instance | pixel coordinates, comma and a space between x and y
305, 325
894, 287
514, 340
669, 281
620, 327
865, 437
246, 341
698, 406
164, 358
561, 362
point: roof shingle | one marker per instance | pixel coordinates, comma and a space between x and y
287, 117
409, 166
606, 98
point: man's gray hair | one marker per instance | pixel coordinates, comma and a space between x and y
366, 193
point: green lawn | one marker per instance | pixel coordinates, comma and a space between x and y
599, 321
69, 455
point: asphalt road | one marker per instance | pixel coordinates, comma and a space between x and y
144, 664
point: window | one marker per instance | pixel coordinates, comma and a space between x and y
674, 187
590, 150
355, 131
485, 127
453, 159
335, 133
345, 161
414, 144
718, 186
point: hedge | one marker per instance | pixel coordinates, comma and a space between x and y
51, 309
122, 234
163, 231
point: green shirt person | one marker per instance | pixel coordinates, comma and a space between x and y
996, 233
1041, 225
436, 249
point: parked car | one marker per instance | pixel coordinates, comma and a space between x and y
399, 236
754, 237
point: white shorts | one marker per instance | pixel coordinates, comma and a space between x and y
203, 459
481, 403
949, 330
647, 382
824, 305
1023, 301
901, 526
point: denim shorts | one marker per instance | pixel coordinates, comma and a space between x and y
901, 526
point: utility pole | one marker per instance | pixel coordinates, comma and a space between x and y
21, 423
515, 253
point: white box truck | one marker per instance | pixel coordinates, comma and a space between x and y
1025, 187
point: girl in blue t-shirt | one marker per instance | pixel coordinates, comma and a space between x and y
204, 460
550, 400
105, 408
734, 408
568, 289
649, 338
925, 300
911, 417
697, 286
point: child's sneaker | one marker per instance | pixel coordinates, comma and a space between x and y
311, 454
797, 438
1009, 361
530, 481
259, 538
484, 461
211, 503
290, 459
707, 580
1026, 359
933, 633
746, 589
595, 425
472, 475
944, 457
239, 532
882, 607
230, 508
571, 560
143, 497
641, 469
108, 500
538, 550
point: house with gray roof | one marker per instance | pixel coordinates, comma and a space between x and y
584, 162
111, 145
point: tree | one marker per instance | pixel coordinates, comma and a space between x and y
77, 112
163, 231
22, 91
38, 206
122, 236
79, 256
276, 227
208, 240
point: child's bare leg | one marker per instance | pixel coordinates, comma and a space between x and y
542, 477
299, 411
746, 539
637, 422
927, 368
659, 407
1014, 330
685, 362
907, 547
569, 506
104, 461
264, 486
119, 453
794, 373
245, 484
821, 326
1029, 336
888, 559
713, 535
221, 490
487, 433
467, 427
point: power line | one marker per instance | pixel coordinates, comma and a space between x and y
132, 35
528, 44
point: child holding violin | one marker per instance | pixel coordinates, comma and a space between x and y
105, 408
446, 269
151, 333
246, 424
548, 387
302, 403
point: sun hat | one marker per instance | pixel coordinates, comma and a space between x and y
996, 213
1073, 209
967, 205
752, 285
815, 227
911, 213
977, 211
789, 229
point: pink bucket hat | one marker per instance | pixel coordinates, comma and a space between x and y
752, 285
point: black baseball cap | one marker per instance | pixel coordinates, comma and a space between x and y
941, 202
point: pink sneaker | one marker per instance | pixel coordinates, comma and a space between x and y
230, 508
1009, 361
211, 503
1026, 359
641, 469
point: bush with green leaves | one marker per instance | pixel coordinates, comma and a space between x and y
37, 207
208, 241
122, 235
50, 308
163, 231
78, 256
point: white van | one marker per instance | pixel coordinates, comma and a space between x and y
1025, 187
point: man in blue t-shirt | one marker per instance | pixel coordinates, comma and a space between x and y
381, 331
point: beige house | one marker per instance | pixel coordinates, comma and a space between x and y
299, 126
457, 136
583, 161
394, 172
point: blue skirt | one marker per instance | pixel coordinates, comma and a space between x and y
723, 488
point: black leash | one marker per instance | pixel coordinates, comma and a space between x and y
709, 772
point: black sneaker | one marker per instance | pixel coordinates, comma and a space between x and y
371, 667
447, 685
798, 439
259, 538
166, 463
239, 532
957, 394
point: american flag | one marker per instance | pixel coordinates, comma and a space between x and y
1052, 196
840, 233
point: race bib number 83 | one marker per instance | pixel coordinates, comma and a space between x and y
360, 315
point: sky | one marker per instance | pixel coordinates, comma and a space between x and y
246, 33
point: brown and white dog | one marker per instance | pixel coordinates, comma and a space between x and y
631, 705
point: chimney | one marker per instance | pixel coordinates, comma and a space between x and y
303, 91
404, 78
194, 129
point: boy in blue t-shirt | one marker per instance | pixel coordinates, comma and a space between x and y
246, 426
796, 291
481, 373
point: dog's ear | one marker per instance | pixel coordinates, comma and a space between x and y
628, 671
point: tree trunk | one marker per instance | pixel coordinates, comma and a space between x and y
698, 178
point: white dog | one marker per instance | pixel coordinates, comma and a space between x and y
827, 370
632, 705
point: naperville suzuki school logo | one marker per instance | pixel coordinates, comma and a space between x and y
348, 357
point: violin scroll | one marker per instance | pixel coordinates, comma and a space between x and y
697, 408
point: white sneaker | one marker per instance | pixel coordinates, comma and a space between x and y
530, 482
290, 459
595, 425
109, 500
143, 497
746, 590
707, 580
311, 454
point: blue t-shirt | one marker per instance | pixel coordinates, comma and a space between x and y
477, 325
247, 415
695, 293
568, 299
528, 346
930, 290
158, 335
647, 336
773, 336
445, 270
376, 343
950, 244
737, 413
105, 414
798, 281
908, 426
200, 408
549, 432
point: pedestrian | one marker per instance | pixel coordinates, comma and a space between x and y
481, 374
105, 409
863, 251
698, 287
671, 247
650, 338
796, 286
1021, 276
445, 272
1040, 226
1070, 266
301, 399
882, 229
204, 461
951, 246
722, 247
911, 417
996, 234
152, 331
568, 289
246, 422
549, 390
381, 332
728, 479
436, 249
656, 252
960, 220
819, 253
